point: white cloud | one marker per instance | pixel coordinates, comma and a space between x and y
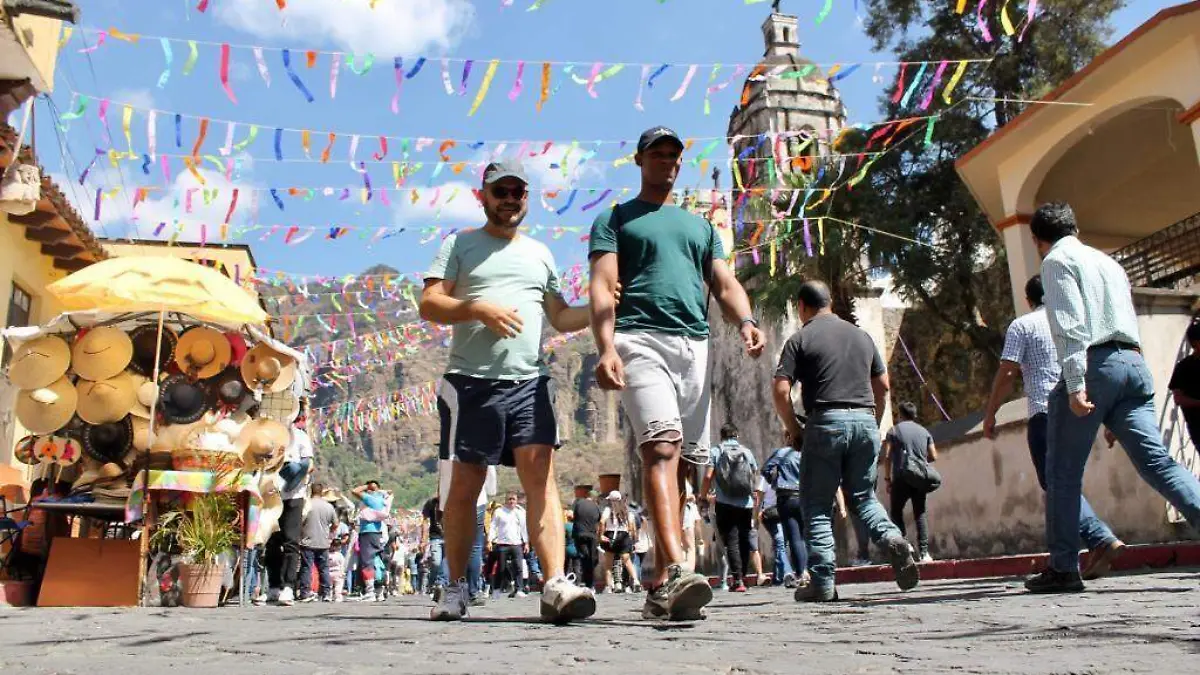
140, 98
463, 211
393, 27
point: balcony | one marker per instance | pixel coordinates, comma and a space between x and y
1169, 258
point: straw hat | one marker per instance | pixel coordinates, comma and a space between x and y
24, 451
202, 352
183, 401
146, 346
109, 442
265, 368
146, 394
39, 362
47, 409
101, 353
106, 401
262, 444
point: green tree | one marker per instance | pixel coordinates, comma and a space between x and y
958, 270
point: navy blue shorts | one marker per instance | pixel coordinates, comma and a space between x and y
484, 420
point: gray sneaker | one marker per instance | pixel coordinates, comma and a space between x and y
900, 553
687, 594
452, 605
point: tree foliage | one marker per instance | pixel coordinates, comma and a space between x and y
958, 270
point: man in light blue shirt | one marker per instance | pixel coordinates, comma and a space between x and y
733, 470
1104, 381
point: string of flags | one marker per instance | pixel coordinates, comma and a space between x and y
456, 72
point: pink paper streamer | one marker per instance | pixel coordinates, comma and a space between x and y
982, 22
334, 68
937, 80
517, 86
591, 83
687, 80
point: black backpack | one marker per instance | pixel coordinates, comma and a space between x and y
918, 473
735, 472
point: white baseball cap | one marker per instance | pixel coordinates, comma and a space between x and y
613, 495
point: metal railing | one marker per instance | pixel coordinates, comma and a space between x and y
1169, 258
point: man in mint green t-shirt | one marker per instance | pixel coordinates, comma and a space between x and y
654, 345
495, 285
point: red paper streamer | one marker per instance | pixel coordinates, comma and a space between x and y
224, 73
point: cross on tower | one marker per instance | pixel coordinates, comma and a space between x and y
775, 6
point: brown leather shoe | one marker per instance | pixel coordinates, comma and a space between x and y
1100, 561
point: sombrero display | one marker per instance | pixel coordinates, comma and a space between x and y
262, 444
266, 369
101, 353
283, 406
109, 443
182, 401
107, 400
202, 352
238, 347
39, 362
67, 451
146, 345
141, 433
47, 409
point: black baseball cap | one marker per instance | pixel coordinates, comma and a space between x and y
654, 135
497, 170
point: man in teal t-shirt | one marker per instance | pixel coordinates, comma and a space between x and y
654, 345
495, 286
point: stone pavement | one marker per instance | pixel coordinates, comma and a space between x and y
1133, 623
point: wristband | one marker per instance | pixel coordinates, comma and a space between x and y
750, 320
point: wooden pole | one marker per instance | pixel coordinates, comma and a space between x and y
147, 516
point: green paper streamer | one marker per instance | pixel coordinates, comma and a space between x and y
368, 61
825, 11
929, 130
193, 55
249, 139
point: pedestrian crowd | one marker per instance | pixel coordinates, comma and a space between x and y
655, 270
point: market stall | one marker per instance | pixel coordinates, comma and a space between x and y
159, 388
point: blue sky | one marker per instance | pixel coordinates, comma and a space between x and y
678, 32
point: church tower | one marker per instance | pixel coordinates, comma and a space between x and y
789, 113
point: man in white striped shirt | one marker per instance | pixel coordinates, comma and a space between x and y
1104, 381
1029, 350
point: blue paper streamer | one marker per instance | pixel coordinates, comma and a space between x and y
278, 201
170, 57
845, 73
661, 69
178, 130
570, 201
279, 145
287, 66
415, 69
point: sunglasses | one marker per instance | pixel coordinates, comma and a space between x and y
504, 193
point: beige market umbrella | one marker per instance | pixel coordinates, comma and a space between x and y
154, 284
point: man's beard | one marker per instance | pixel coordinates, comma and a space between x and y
502, 219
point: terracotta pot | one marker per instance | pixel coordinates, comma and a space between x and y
201, 585
609, 482
16, 593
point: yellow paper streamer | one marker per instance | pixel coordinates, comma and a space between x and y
306, 143
484, 86
961, 7
962, 68
224, 231
772, 256
545, 86
821, 233
396, 174
126, 120
66, 36
190, 163
1006, 20
124, 37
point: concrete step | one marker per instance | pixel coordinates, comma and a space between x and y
1139, 556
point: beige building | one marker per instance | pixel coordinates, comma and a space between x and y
1118, 141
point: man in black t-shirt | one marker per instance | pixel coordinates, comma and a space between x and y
586, 520
843, 385
904, 439
432, 544
1185, 384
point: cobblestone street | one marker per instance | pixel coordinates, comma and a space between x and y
1135, 623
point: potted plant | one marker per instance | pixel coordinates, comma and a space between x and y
201, 532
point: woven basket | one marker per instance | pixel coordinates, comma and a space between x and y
191, 456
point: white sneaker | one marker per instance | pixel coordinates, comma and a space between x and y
453, 605
367, 597
260, 599
287, 597
338, 598
272, 595
563, 601
520, 594
926, 558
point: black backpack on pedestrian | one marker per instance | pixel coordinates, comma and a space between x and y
735, 472
918, 473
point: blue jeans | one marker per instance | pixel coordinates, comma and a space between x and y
475, 562
840, 446
791, 515
1093, 531
779, 547
1122, 389
437, 566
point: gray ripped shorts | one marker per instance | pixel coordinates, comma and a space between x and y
667, 388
